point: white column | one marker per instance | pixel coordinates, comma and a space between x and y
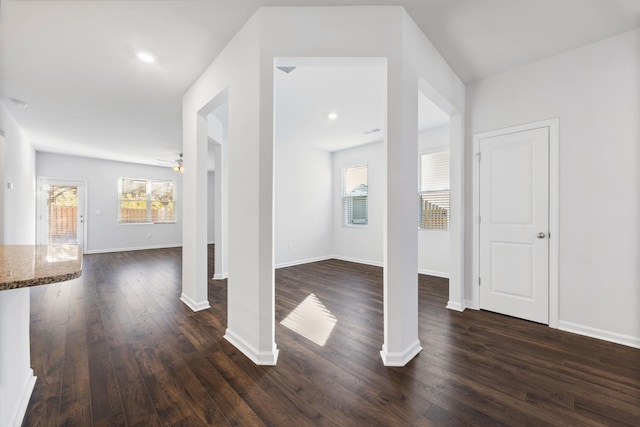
401, 341
16, 375
251, 296
194, 211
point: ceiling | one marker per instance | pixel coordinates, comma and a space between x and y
307, 95
74, 62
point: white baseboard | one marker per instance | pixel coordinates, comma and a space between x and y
135, 248
400, 358
195, 306
469, 304
220, 276
267, 358
455, 305
302, 261
600, 334
356, 260
433, 273
17, 415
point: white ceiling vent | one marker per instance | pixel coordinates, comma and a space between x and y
286, 69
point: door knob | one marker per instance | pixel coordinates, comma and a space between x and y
541, 235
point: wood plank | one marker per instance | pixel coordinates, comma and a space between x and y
122, 349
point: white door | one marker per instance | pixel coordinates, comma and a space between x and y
514, 224
61, 212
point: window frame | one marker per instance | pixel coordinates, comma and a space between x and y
436, 150
344, 197
148, 201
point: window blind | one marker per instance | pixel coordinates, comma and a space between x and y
434, 204
355, 189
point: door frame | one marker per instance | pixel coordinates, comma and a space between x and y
554, 190
41, 206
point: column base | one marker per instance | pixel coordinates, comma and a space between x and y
21, 404
195, 306
267, 358
393, 358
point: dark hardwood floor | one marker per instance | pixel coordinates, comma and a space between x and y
121, 349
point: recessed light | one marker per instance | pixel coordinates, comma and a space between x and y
332, 116
146, 57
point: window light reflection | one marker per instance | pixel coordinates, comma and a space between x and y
62, 253
312, 320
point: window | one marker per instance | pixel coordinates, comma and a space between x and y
434, 191
146, 201
354, 196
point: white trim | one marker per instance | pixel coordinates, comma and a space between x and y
433, 273
475, 225
554, 221
268, 358
195, 306
135, 248
356, 260
302, 261
467, 303
17, 415
400, 358
600, 334
456, 306
220, 276
554, 212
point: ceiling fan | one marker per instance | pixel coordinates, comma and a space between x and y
177, 165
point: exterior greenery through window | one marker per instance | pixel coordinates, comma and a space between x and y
434, 191
146, 201
354, 195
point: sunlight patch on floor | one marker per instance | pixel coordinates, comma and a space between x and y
312, 320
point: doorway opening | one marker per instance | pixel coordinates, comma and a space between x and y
434, 189
217, 182
329, 176
61, 216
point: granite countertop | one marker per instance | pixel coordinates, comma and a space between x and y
22, 266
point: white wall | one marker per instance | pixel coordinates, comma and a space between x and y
303, 200
433, 245
19, 169
360, 243
3, 150
364, 244
595, 93
104, 234
211, 207
17, 226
